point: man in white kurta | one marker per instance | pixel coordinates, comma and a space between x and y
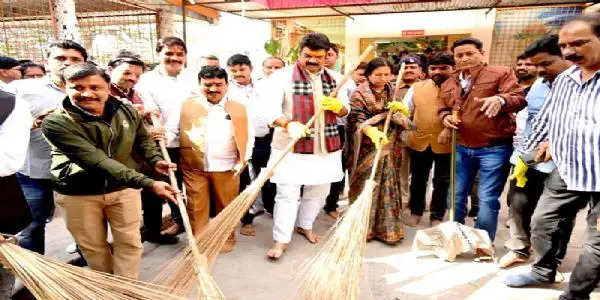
302, 180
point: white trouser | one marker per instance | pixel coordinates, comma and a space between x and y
289, 204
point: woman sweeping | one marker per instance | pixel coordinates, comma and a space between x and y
366, 120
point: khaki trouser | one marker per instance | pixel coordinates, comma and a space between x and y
201, 187
87, 218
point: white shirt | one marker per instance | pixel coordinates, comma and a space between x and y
295, 168
345, 94
220, 149
6, 87
249, 95
14, 138
167, 94
40, 95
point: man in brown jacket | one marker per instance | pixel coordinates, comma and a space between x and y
429, 143
484, 97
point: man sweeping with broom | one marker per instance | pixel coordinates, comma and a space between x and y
93, 136
303, 178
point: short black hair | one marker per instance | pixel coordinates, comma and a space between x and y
122, 59
335, 48
210, 57
170, 41
84, 70
67, 44
376, 63
24, 66
239, 59
8, 62
521, 56
210, 72
442, 59
592, 19
468, 41
25, 61
547, 44
273, 57
315, 41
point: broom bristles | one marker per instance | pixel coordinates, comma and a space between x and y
50, 279
334, 272
177, 274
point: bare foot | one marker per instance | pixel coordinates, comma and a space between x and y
276, 251
308, 234
333, 214
248, 230
413, 220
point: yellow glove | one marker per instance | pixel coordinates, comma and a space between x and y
397, 106
519, 172
377, 137
332, 104
296, 130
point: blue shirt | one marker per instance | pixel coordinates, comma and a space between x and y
570, 120
535, 100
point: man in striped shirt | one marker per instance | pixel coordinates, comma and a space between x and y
570, 120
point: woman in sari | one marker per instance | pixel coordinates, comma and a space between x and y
366, 119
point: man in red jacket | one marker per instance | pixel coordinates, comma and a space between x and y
485, 97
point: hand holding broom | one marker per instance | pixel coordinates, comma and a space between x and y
206, 284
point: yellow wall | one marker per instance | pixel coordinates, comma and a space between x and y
474, 22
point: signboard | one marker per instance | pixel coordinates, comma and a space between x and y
413, 33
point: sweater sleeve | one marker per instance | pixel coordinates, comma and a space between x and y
80, 149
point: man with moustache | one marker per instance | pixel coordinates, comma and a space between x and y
429, 143
527, 183
125, 71
304, 176
246, 91
43, 95
485, 98
93, 137
215, 138
526, 72
163, 91
413, 71
9, 72
569, 120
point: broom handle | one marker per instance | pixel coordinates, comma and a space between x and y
398, 82
453, 170
362, 57
200, 260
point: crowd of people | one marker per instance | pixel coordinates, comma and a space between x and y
86, 138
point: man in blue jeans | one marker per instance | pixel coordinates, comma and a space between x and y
42, 95
484, 98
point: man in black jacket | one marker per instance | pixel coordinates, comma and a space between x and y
93, 137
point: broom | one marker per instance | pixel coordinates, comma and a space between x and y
334, 272
49, 279
176, 274
207, 287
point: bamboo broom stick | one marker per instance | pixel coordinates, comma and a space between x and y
49, 279
206, 284
176, 274
334, 272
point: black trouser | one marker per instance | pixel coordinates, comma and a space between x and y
260, 158
474, 207
153, 205
552, 223
420, 167
331, 203
523, 202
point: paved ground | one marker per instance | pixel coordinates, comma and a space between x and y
390, 273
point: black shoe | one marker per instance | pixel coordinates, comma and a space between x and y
161, 239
